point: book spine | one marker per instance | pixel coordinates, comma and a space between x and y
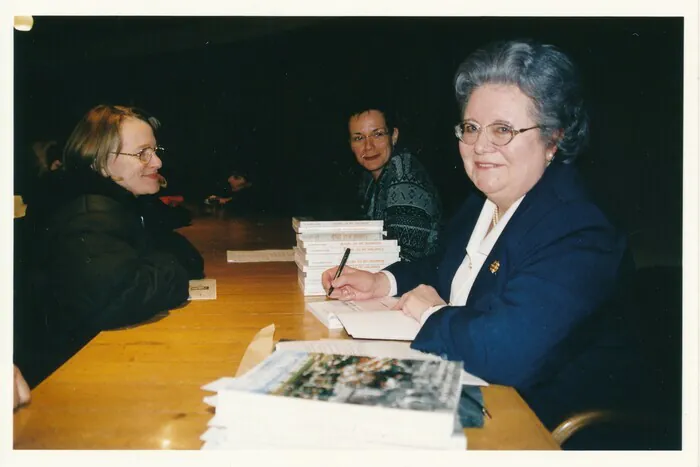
315, 272
340, 224
334, 260
296, 220
354, 258
357, 251
365, 265
338, 229
311, 291
342, 236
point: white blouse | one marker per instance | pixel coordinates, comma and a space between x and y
478, 249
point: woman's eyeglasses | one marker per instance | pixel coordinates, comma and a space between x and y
146, 154
377, 136
498, 134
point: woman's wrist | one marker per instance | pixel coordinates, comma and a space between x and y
382, 285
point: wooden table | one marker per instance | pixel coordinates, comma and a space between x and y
139, 388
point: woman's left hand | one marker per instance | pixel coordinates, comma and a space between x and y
418, 300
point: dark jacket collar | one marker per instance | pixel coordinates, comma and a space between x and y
61, 187
89, 182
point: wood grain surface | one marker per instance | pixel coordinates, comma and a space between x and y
139, 388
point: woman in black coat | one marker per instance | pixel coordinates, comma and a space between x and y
103, 253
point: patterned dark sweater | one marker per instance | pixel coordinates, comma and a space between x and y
406, 199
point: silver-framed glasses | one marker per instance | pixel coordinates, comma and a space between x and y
498, 134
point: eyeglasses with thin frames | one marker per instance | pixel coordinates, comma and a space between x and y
377, 136
499, 134
146, 154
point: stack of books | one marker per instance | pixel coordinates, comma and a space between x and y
321, 245
298, 399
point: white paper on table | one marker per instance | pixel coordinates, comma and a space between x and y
219, 384
383, 324
327, 310
391, 349
203, 289
259, 256
365, 319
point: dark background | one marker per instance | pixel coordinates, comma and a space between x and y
270, 96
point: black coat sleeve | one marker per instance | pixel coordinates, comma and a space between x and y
185, 253
102, 273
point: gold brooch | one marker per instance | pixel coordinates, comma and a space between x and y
494, 267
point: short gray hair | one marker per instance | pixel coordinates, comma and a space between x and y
541, 72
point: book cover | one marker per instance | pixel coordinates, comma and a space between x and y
376, 348
357, 397
402, 384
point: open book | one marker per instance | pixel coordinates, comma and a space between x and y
366, 319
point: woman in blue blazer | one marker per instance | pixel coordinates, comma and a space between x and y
519, 292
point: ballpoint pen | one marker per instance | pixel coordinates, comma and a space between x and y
479, 404
340, 270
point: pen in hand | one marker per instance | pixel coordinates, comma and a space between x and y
340, 270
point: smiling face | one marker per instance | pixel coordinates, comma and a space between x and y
370, 141
128, 171
504, 173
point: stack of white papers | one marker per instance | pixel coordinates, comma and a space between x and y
259, 256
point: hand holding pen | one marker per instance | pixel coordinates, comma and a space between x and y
340, 270
355, 284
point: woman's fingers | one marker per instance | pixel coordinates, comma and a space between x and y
22, 394
327, 277
402, 300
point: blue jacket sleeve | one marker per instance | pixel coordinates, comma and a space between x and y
552, 279
410, 275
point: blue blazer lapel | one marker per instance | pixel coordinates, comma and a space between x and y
457, 237
537, 202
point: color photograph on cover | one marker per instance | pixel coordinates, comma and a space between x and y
396, 383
